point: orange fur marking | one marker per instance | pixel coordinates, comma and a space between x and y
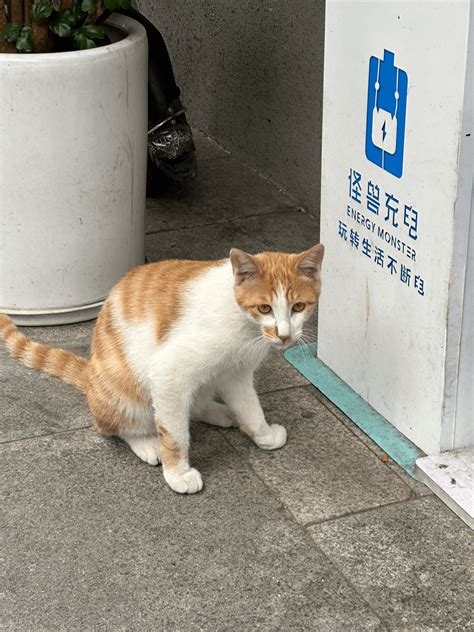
272, 332
57, 362
111, 384
156, 290
169, 452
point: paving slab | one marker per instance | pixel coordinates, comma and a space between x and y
216, 240
34, 403
223, 190
412, 561
417, 487
324, 471
202, 242
95, 540
292, 231
276, 373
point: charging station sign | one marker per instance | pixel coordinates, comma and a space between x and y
390, 167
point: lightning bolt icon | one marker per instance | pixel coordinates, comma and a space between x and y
384, 133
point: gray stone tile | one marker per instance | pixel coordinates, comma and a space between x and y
77, 336
417, 487
288, 232
324, 471
413, 561
223, 189
201, 243
276, 373
207, 148
95, 540
291, 231
34, 403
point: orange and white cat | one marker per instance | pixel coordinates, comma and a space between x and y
175, 336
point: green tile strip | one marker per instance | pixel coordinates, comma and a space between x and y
392, 442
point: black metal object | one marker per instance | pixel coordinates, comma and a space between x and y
171, 149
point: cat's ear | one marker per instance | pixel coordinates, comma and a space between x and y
310, 262
244, 266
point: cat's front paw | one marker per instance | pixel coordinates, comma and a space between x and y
272, 440
188, 482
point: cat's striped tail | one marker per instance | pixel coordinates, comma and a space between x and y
58, 362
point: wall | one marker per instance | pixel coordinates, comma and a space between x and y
251, 75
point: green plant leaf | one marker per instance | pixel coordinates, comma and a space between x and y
11, 32
77, 10
24, 41
92, 31
125, 4
62, 25
82, 42
88, 6
41, 10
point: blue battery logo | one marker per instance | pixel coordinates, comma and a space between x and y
386, 114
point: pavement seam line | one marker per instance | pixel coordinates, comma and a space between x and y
222, 221
46, 434
283, 388
357, 512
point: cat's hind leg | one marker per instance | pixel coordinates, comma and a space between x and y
141, 436
205, 408
216, 414
146, 447
132, 422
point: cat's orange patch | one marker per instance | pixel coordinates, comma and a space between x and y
272, 332
170, 454
106, 413
157, 290
111, 385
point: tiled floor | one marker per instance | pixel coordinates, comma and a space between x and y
321, 535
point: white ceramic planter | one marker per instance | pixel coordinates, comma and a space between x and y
73, 150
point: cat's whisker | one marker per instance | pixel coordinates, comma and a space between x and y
310, 336
305, 350
304, 344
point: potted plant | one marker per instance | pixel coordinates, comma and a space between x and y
73, 133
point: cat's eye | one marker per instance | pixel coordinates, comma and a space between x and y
264, 309
299, 307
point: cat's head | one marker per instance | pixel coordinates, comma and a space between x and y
278, 291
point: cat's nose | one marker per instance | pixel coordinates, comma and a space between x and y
283, 331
